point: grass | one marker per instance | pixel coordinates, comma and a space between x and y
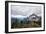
29, 25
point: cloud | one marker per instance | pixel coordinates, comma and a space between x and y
25, 10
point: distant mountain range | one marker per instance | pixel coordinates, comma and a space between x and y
23, 18
18, 17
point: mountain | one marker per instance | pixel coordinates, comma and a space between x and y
18, 18
34, 17
24, 19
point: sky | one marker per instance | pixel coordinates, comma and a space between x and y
25, 10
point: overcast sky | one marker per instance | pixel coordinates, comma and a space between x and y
25, 10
